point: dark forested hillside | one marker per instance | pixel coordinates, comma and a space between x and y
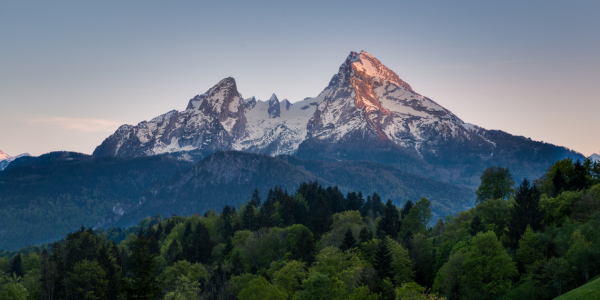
530, 241
43, 198
227, 178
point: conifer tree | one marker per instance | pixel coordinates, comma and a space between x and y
237, 267
365, 235
354, 201
173, 252
249, 221
579, 180
349, 241
255, 199
201, 244
143, 284
525, 212
406, 208
559, 182
383, 260
16, 266
390, 223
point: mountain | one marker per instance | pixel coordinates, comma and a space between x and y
5, 159
595, 157
365, 113
45, 197
228, 178
3, 156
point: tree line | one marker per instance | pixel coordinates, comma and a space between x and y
536, 240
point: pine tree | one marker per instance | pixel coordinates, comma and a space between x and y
201, 244
173, 252
525, 212
383, 260
579, 180
108, 263
365, 235
476, 226
354, 201
237, 267
187, 249
559, 182
255, 199
16, 266
143, 284
249, 221
390, 223
349, 241
406, 208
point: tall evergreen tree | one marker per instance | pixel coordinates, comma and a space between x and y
579, 180
108, 263
354, 201
525, 212
559, 182
255, 199
383, 260
365, 235
349, 241
143, 283
390, 223
173, 252
406, 208
201, 244
16, 266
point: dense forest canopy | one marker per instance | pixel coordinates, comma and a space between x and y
317, 243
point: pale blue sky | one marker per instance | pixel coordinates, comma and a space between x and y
71, 72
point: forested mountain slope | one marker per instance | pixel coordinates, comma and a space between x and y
227, 178
43, 198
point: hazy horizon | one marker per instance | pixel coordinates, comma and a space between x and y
71, 73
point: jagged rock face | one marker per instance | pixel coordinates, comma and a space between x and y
217, 120
365, 113
369, 100
274, 107
211, 122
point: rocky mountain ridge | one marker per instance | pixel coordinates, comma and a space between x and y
365, 113
5, 159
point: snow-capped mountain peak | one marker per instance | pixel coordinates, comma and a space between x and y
3, 155
5, 159
365, 64
595, 157
366, 112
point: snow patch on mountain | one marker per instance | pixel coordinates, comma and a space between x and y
595, 157
5, 159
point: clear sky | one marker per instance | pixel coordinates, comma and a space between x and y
71, 72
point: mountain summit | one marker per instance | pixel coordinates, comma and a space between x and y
5, 159
365, 113
3, 156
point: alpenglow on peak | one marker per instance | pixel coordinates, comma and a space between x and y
366, 112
